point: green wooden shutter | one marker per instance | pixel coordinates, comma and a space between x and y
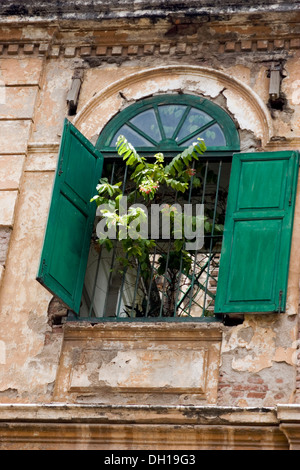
71, 218
257, 235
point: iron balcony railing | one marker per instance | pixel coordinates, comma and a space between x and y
172, 287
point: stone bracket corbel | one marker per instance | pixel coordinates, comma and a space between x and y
275, 76
74, 92
289, 419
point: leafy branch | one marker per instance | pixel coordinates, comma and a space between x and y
148, 177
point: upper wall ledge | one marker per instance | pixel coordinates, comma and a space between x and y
93, 10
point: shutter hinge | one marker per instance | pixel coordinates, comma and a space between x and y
43, 267
291, 196
280, 301
60, 172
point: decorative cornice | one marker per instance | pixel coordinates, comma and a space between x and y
172, 48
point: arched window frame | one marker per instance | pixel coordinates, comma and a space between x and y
218, 115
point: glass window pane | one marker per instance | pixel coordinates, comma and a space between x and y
147, 122
195, 120
133, 138
170, 116
213, 137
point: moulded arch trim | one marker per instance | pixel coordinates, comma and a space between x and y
242, 102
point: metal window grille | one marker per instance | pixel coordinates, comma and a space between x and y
171, 288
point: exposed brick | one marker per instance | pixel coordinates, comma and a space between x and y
256, 395
223, 385
56, 311
279, 396
255, 379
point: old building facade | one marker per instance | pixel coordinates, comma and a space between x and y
229, 382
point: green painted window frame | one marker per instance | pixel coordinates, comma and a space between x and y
218, 115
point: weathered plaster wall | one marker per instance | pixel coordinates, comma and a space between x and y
27, 361
224, 61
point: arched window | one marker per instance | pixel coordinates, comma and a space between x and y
169, 123
251, 247
177, 288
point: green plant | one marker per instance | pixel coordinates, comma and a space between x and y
147, 178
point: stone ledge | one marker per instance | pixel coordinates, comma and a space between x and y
289, 413
170, 330
138, 414
58, 426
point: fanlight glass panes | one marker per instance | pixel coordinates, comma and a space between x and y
132, 136
147, 123
181, 124
194, 121
170, 116
213, 137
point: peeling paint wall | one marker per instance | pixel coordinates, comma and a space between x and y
224, 59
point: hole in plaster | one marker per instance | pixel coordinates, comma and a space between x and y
233, 320
56, 312
280, 104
